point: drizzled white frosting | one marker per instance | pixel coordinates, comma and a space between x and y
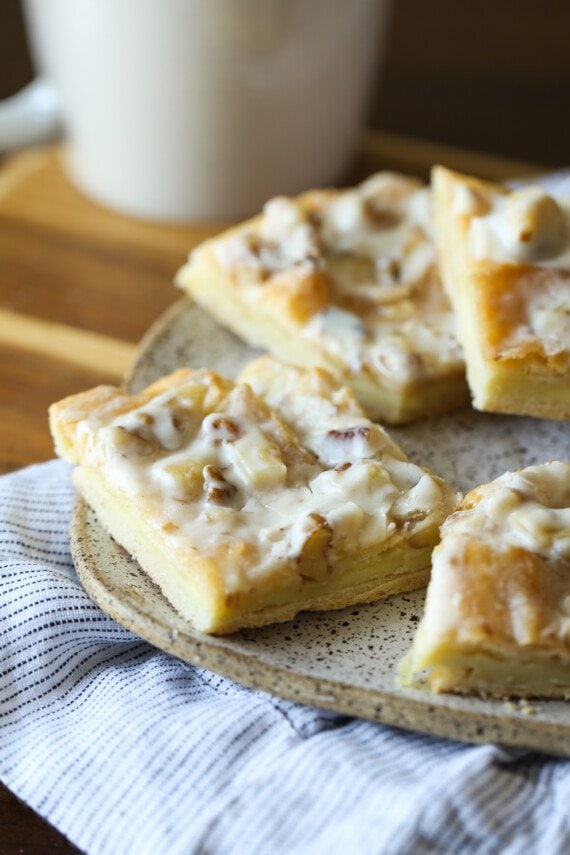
529, 509
524, 227
232, 475
375, 242
546, 315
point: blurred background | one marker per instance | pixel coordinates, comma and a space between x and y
491, 75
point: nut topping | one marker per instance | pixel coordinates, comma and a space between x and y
380, 215
349, 434
222, 429
130, 443
218, 490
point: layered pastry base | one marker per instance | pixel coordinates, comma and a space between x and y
505, 259
346, 280
247, 502
497, 614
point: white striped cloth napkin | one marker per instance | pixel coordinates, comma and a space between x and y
127, 750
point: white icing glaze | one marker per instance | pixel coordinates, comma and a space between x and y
529, 509
156, 420
344, 334
403, 255
547, 316
229, 476
375, 242
524, 227
351, 225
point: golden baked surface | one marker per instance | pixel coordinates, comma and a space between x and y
497, 616
249, 501
505, 258
347, 280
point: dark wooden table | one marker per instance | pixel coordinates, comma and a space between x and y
78, 288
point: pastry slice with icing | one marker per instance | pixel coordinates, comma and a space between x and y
247, 502
346, 280
497, 614
505, 259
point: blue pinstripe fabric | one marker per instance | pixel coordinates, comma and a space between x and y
128, 750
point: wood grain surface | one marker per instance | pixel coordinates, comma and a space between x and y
79, 286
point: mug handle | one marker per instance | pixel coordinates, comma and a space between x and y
29, 117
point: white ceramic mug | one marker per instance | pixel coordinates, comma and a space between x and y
182, 109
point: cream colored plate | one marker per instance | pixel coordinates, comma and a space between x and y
343, 660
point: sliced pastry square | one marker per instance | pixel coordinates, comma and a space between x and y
346, 280
505, 260
246, 506
497, 613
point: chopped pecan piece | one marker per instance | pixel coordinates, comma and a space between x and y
389, 271
224, 429
382, 217
348, 434
132, 444
146, 418
179, 422
218, 490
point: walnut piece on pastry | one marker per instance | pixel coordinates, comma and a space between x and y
497, 613
505, 260
346, 280
246, 510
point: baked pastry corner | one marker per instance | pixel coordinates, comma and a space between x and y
497, 612
505, 262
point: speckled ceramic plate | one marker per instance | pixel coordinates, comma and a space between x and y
342, 660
